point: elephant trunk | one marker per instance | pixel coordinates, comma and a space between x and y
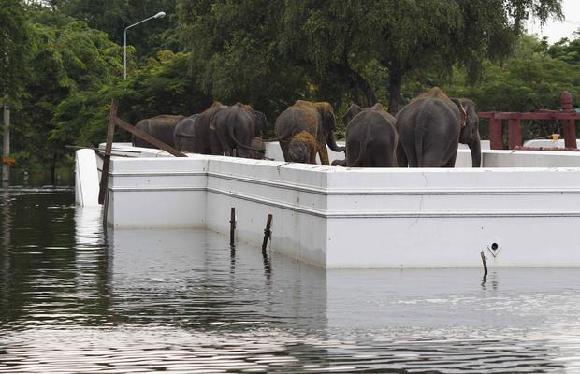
331, 141
475, 147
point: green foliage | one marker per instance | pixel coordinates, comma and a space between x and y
529, 80
67, 61
567, 50
112, 17
165, 85
266, 53
364, 48
13, 36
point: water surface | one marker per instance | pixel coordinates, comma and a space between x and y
74, 298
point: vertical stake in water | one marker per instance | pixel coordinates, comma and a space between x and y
267, 234
232, 227
103, 185
6, 149
483, 259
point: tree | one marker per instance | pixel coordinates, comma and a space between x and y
529, 80
111, 17
335, 42
13, 35
567, 50
66, 60
236, 54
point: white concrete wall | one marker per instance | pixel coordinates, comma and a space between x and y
157, 192
338, 217
547, 143
86, 178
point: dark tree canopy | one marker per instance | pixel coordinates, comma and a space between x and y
13, 36
339, 39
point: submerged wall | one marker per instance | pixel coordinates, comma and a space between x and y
361, 217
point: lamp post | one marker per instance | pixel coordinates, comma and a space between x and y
156, 16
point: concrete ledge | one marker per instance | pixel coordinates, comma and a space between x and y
337, 217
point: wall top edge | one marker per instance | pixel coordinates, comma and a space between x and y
219, 161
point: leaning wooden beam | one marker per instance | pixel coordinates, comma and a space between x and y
107, 159
148, 138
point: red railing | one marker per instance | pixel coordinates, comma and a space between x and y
566, 115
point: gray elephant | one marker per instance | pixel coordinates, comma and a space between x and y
371, 137
234, 129
184, 134
315, 118
192, 133
160, 127
430, 128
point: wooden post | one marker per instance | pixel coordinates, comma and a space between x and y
484, 260
568, 126
514, 133
267, 234
6, 149
232, 227
495, 134
107, 159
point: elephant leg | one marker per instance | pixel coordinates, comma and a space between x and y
323, 152
284, 146
381, 157
451, 162
312, 158
215, 144
402, 160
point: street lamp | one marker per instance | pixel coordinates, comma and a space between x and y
156, 16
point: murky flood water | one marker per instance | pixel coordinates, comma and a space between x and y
76, 299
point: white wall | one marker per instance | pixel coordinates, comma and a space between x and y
338, 217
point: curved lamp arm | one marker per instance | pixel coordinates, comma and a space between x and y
156, 16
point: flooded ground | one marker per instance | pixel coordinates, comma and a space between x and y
76, 299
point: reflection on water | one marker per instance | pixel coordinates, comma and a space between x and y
76, 300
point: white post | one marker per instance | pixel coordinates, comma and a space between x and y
125, 53
6, 147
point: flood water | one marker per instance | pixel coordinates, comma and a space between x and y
76, 299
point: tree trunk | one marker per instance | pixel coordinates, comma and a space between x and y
357, 83
53, 170
394, 89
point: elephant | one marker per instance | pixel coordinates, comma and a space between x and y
184, 137
192, 133
302, 148
432, 125
160, 127
371, 138
234, 128
316, 118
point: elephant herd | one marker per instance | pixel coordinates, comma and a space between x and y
425, 133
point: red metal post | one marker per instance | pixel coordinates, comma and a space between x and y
568, 126
495, 136
514, 133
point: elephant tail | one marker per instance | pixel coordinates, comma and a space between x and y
362, 148
419, 138
239, 144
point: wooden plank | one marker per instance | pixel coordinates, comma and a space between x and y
495, 134
514, 133
538, 116
148, 138
107, 159
569, 130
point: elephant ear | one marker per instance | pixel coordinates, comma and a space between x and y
462, 112
327, 114
350, 113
